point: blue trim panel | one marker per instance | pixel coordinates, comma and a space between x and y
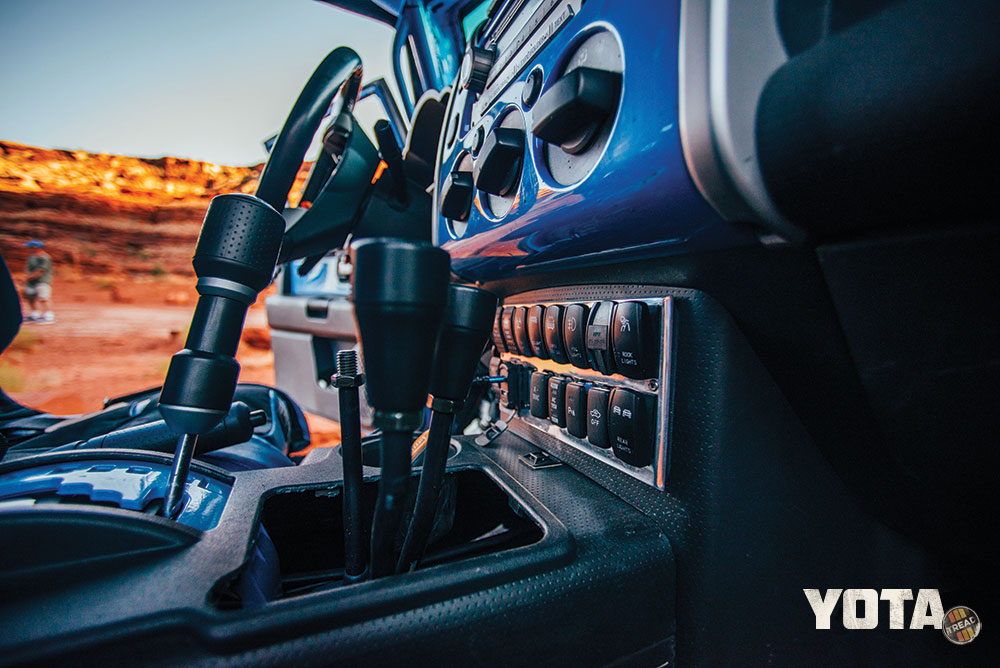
129, 484
638, 201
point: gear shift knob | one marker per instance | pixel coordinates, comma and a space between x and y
399, 293
234, 261
465, 329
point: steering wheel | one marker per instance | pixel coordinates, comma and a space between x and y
339, 74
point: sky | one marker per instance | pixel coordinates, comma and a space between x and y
201, 79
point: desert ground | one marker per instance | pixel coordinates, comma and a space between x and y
121, 232
115, 335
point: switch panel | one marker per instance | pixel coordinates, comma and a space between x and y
598, 371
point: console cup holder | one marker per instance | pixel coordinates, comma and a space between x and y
475, 517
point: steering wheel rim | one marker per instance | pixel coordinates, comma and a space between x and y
339, 72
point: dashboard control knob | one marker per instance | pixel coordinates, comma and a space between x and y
573, 109
536, 316
476, 140
476, 67
498, 167
532, 87
456, 195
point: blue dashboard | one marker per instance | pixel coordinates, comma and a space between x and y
631, 195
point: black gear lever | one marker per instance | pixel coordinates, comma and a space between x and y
234, 261
399, 293
465, 329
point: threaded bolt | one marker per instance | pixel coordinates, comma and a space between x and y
347, 362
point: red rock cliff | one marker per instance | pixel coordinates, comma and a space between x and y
110, 214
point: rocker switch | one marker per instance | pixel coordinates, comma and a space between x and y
520, 326
628, 338
498, 332
536, 316
576, 409
457, 192
598, 399
507, 329
539, 402
557, 401
553, 332
629, 428
599, 337
574, 324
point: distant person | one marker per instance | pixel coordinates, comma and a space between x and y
38, 284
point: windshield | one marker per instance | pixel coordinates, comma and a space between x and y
475, 16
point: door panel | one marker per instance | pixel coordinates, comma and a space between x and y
311, 320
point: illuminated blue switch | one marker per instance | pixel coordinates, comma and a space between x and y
629, 429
